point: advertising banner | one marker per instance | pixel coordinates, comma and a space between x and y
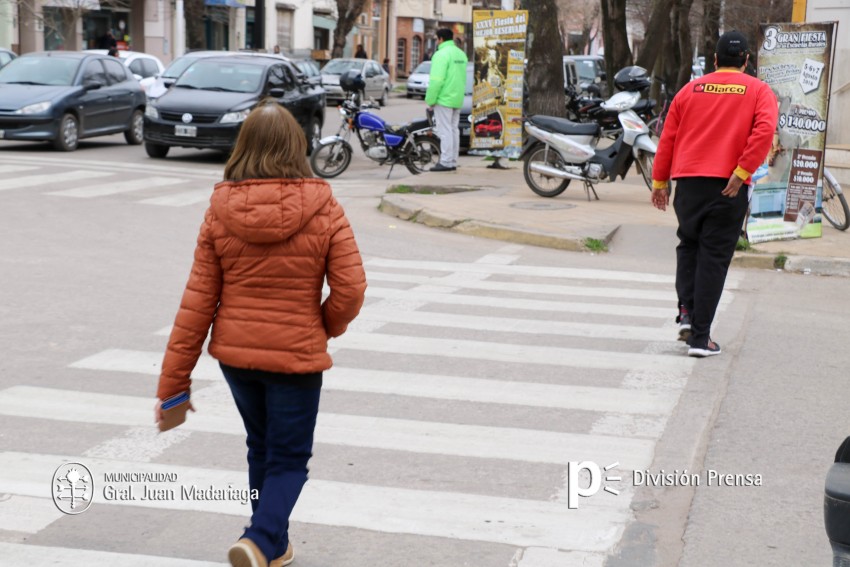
796, 61
498, 40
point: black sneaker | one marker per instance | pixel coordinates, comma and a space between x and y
441, 167
684, 321
711, 348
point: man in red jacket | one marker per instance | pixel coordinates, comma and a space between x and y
718, 131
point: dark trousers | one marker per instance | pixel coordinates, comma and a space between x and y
279, 411
709, 227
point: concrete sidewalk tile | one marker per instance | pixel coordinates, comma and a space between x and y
520, 235
399, 207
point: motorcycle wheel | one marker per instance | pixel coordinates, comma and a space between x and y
644, 163
329, 160
426, 153
541, 184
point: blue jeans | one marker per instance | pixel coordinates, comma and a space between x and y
279, 411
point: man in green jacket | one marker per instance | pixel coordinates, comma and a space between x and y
446, 89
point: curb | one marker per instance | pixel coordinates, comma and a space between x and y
405, 209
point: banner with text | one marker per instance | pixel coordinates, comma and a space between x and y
498, 40
796, 61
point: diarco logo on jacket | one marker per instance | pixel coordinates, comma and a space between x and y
719, 88
186, 118
73, 488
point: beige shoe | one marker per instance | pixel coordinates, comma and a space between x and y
284, 559
245, 553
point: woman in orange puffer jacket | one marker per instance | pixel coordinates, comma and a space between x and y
270, 237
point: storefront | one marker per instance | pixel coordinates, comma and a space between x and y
99, 24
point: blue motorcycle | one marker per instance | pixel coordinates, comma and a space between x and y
414, 144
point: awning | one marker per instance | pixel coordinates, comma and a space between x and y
228, 3
324, 22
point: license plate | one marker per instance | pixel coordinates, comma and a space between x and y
188, 131
2, 134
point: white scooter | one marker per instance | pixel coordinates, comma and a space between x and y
557, 150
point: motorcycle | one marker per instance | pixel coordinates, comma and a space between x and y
415, 144
589, 109
558, 150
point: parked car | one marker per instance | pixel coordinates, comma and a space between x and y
377, 80
6, 56
65, 96
417, 82
591, 71
157, 85
141, 65
310, 70
209, 101
466, 110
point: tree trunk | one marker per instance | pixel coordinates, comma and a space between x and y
686, 50
193, 11
659, 24
545, 60
710, 32
347, 13
617, 51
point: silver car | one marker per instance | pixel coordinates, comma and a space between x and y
417, 82
376, 79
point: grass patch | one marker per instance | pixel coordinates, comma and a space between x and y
595, 245
779, 261
743, 245
400, 189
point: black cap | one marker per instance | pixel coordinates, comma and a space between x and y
732, 44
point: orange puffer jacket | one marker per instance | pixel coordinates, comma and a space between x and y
264, 251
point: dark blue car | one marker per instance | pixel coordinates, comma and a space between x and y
65, 96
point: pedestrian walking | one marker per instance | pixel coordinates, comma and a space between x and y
446, 89
718, 131
271, 237
361, 53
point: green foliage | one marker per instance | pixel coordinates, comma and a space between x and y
595, 245
779, 261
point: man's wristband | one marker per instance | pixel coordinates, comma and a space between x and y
742, 173
660, 184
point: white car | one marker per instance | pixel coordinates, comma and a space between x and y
377, 80
417, 82
142, 65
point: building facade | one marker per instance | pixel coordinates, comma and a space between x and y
417, 22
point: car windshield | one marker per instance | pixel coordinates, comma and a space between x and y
58, 71
586, 69
178, 66
423, 68
340, 66
237, 77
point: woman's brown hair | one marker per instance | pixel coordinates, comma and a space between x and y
271, 144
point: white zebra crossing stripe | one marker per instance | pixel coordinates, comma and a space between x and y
422, 385
510, 325
52, 179
25, 554
147, 168
426, 437
181, 199
116, 187
509, 521
16, 168
505, 352
521, 270
540, 557
25, 514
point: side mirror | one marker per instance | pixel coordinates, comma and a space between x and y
91, 85
603, 76
277, 92
168, 82
137, 77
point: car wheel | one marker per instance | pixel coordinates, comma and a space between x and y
68, 135
156, 150
408, 95
385, 98
135, 134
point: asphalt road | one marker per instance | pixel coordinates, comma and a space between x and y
478, 374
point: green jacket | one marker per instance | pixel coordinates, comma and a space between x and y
447, 82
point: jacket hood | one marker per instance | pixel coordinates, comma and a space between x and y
268, 210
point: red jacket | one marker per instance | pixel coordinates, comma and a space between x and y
718, 124
264, 251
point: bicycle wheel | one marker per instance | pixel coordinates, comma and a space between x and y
542, 184
644, 163
834, 204
329, 160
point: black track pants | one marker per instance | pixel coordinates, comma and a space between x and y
709, 227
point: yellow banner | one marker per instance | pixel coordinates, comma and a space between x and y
498, 40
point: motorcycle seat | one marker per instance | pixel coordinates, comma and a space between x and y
643, 105
564, 126
403, 129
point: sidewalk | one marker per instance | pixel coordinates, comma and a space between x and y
498, 204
